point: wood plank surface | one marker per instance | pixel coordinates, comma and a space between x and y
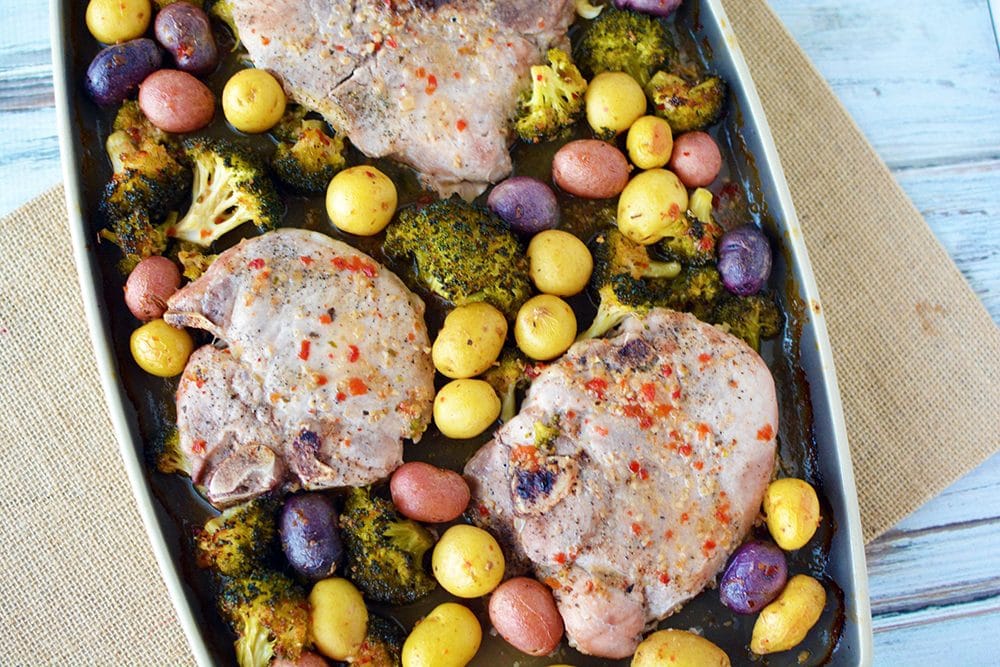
922, 79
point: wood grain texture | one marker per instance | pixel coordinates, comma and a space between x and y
922, 79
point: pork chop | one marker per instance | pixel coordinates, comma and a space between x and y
635, 467
326, 371
430, 83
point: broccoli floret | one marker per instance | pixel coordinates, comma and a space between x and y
686, 106
696, 290
167, 455
223, 10
137, 237
749, 317
620, 297
269, 614
624, 41
238, 541
230, 189
463, 253
307, 157
384, 552
512, 372
383, 645
695, 246
194, 261
554, 102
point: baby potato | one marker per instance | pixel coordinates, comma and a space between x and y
338, 620
678, 648
449, 636
614, 101
467, 561
792, 510
470, 340
465, 408
652, 204
160, 349
545, 327
524, 613
650, 142
253, 101
113, 21
560, 263
361, 201
786, 621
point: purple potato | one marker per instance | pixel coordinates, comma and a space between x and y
185, 31
653, 7
744, 260
755, 576
526, 204
310, 536
117, 70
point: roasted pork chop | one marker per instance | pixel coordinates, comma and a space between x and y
326, 368
431, 83
634, 468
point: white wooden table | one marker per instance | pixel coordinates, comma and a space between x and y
922, 79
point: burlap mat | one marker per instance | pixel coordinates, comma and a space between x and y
915, 351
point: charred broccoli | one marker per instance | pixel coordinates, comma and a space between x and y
307, 157
614, 253
463, 253
695, 246
270, 615
383, 645
223, 10
512, 372
230, 189
749, 317
621, 296
624, 41
385, 553
686, 106
167, 455
194, 261
554, 101
238, 541
696, 290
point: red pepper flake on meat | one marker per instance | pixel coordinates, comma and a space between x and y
391, 41
457, 75
461, 125
256, 264
636, 528
265, 40
685, 518
667, 370
341, 396
306, 259
483, 510
685, 449
432, 84
766, 433
353, 353
319, 379
708, 547
421, 72
704, 357
676, 394
649, 391
722, 514
524, 456
597, 386
664, 578
354, 265
704, 430
663, 410
357, 387
698, 465
560, 558
198, 447
634, 466
637, 412
304, 350
325, 319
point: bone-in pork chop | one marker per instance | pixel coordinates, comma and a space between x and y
634, 468
431, 83
326, 369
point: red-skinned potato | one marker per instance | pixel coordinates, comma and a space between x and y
175, 101
524, 613
591, 169
696, 159
307, 659
151, 283
423, 492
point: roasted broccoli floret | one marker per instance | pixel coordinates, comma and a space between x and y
620, 297
695, 246
230, 189
238, 541
749, 317
614, 253
624, 41
307, 157
383, 645
686, 106
696, 290
167, 455
385, 553
512, 372
194, 261
137, 237
269, 614
463, 253
223, 10
555, 100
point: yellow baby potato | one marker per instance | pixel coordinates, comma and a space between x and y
465, 408
792, 510
470, 340
678, 648
560, 263
160, 349
449, 636
652, 206
253, 101
467, 562
784, 623
361, 200
113, 21
650, 142
613, 101
700, 205
338, 621
545, 327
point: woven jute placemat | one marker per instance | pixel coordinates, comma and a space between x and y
916, 353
